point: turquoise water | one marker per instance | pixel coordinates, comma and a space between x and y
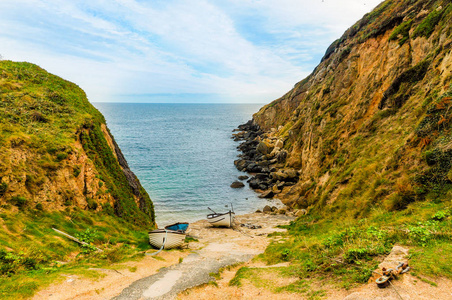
183, 155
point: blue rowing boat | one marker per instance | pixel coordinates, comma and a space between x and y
181, 227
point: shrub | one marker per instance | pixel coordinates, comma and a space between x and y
92, 205
427, 26
76, 171
88, 237
19, 201
3, 188
60, 156
403, 31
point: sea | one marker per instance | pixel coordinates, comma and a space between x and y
183, 155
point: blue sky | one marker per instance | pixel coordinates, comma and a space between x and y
176, 51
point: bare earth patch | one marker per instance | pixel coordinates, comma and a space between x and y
113, 282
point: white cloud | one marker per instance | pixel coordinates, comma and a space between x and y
257, 49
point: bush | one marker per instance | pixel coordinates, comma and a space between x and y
427, 26
3, 188
19, 201
92, 205
88, 237
403, 31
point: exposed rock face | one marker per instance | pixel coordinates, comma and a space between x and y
56, 151
371, 124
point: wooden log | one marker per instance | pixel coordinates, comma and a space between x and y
75, 239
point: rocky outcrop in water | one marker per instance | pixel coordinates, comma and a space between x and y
263, 157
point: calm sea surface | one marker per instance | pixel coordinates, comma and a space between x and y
183, 155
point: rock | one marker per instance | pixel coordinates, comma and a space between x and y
262, 186
267, 209
253, 168
262, 176
274, 209
258, 211
243, 177
262, 148
275, 189
240, 164
267, 194
254, 183
279, 144
285, 175
237, 185
281, 156
300, 212
282, 211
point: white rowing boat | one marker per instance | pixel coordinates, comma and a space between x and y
168, 238
221, 220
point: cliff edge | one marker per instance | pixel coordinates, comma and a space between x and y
56, 151
371, 125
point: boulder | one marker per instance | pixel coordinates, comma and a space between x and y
254, 183
267, 194
279, 144
301, 212
285, 175
267, 209
240, 164
262, 186
243, 177
264, 147
282, 211
281, 156
237, 185
258, 211
262, 176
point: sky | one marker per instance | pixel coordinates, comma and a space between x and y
239, 51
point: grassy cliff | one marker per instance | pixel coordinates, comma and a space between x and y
60, 167
369, 132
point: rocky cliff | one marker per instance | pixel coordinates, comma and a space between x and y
371, 125
56, 151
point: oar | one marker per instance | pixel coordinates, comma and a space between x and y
212, 210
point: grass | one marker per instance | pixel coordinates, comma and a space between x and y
41, 256
43, 119
345, 256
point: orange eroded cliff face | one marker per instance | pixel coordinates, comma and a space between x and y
370, 125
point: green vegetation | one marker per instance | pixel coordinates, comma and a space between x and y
44, 122
41, 255
376, 169
427, 26
43, 117
402, 31
346, 256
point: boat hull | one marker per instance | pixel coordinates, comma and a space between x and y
172, 239
221, 220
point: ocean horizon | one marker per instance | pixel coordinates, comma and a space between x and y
183, 155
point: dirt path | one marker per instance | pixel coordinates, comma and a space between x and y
166, 276
182, 274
